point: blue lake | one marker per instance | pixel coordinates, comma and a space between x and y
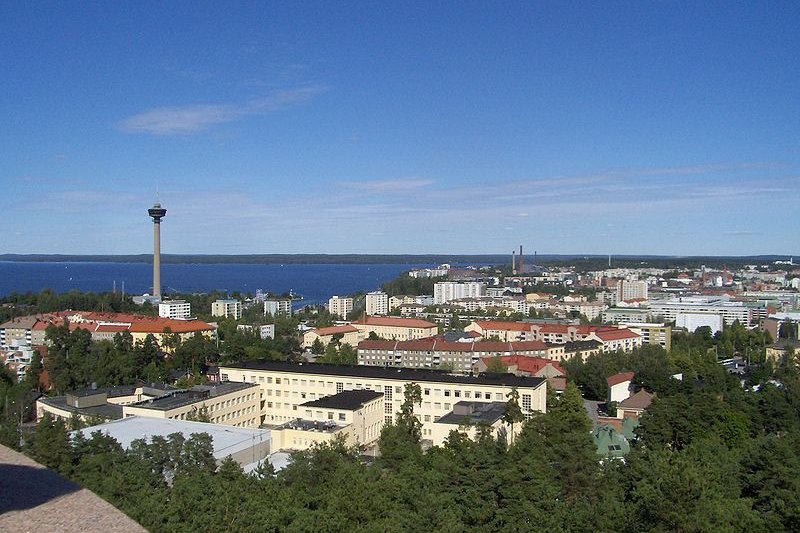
315, 282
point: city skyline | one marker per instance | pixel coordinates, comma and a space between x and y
665, 129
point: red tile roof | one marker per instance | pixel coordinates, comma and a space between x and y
615, 334
530, 365
616, 379
433, 343
640, 400
334, 330
158, 325
395, 321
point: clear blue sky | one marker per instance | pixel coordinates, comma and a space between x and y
436, 127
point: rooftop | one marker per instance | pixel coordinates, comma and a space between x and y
401, 374
198, 393
472, 413
622, 377
395, 321
348, 400
311, 425
108, 410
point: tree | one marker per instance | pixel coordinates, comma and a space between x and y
199, 415
496, 366
317, 348
513, 414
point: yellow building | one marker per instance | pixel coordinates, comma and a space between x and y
396, 328
355, 416
346, 335
231, 404
96, 403
286, 387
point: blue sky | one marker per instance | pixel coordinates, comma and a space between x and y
439, 127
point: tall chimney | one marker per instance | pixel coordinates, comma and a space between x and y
521, 264
157, 212
513, 263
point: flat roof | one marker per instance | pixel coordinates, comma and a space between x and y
107, 410
311, 425
227, 440
472, 413
198, 393
349, 400
400, 374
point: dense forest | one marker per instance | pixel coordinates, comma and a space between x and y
709, 457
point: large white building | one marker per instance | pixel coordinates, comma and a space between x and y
444, 291
286, 386
631, 290
175, 309
278, 306
377, 303
227, 308
730, 311
340, 307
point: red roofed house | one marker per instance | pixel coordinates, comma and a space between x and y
619, 386
347, 335
395, 328
520, 365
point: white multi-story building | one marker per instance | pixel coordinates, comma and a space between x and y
267, 331
377, 303
227, 308
631, 290
286, 386
278, 306
730, 311
175, 309
340, 307
444, 291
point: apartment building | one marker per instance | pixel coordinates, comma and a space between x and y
278, 306
444, 291
286, 386
340, 307
93, 403
227, 309
501, 330
232, 404
631, 290
377, 303
730, 311
346, 334
652, 333
395, 328
435, 352
177, 309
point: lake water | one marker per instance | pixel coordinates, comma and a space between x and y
315, 282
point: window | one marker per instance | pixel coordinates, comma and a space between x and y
447, 393
339, 387
398, 390
269, 379
447, 407
427, 418
278, 381
223, 377
330, 415
457, 394
341, 417
427, 392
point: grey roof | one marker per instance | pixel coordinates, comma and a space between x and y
109, 410
349, 400
198, 393
311, 425
402, 374
472, 413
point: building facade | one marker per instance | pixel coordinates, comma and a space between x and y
227, 309
340, 307
278, 306
177, 309
444, 291
377, 303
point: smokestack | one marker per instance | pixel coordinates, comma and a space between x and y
513, 263
521, 263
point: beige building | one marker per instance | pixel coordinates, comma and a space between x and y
178, 309
346, 334
286, 386
377, 303
436, 352
227, 309
396, 328
92, 403
232, 404
503, 331
653, 333
340, 307
467, 416
278, 306
355, 415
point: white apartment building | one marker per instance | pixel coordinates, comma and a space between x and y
227, 308
340, 307
175, 309
267, 331
278, 306
377, 303
729, 311
286, 386
445, 291
631, 290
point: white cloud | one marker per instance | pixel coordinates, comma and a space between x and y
194, 118
389, 185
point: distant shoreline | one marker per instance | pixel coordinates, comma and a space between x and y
422, 259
